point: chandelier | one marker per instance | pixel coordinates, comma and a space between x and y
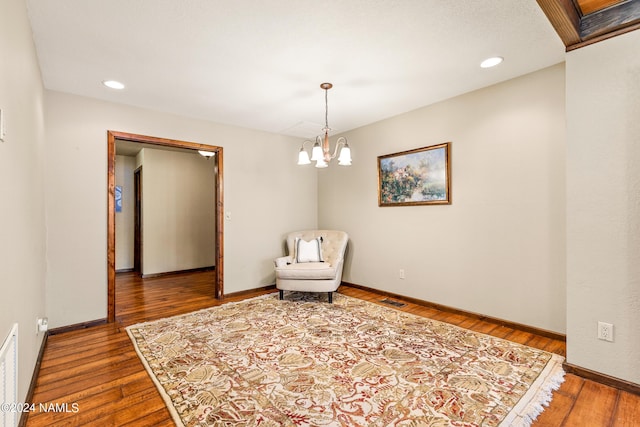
321, 153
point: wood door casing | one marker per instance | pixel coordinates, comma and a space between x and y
137, 221
111, 238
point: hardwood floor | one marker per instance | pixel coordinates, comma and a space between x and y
98, 375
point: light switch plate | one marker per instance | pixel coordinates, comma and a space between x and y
2, 131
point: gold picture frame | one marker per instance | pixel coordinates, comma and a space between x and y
416, 177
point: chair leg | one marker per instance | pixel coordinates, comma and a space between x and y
330, 297
281, 294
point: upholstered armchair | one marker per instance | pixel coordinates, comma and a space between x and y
314, 262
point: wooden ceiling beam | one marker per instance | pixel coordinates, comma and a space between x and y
564, 18
577, 30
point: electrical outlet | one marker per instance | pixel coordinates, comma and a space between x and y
605, 331
401, 273
42, 324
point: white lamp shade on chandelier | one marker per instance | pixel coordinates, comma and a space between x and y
321, 152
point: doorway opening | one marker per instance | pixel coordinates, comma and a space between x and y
112, 136
137, 221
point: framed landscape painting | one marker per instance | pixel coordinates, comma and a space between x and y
415, 177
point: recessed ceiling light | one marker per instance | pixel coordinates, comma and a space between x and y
491, 62
113, 84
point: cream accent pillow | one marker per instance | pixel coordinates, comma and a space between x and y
309, 251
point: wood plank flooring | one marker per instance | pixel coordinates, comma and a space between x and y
98, 375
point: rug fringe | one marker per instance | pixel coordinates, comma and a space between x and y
531, 405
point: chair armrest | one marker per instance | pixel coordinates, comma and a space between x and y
283, 261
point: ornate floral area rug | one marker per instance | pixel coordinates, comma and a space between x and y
304, 362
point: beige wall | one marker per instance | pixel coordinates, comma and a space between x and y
125, 166
178, 210
22, 234
499, 248
265, 193
603, 205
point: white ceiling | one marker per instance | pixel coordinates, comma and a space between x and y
259, 63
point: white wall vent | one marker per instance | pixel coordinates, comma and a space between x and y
9, 379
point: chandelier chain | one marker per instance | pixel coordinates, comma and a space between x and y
326, 109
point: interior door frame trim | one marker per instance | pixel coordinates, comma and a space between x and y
111, 215
137, 220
